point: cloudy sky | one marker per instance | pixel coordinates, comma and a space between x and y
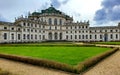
99, 12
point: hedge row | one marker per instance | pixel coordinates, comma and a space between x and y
46, 45
60, 66
39, 62
94, 60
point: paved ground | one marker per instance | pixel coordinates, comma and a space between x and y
25, 69
109, 66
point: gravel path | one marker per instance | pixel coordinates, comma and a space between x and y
26, 69
109, 66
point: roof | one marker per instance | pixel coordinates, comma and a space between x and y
51, 10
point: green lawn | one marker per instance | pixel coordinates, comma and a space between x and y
68, 55
108, 43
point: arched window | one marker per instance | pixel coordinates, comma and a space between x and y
60, 36
5, 36
111, 36
55, 21
90, 36
18, 36
50, 21
95, 36
116, 36
50, 36
100, 36
60, 22
56, 36
12, 36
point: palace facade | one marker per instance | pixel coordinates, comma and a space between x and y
53, 25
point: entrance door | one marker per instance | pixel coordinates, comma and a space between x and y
105, 37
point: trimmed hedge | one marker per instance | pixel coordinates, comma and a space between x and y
94, 60
39, 62
61, 66
46, 45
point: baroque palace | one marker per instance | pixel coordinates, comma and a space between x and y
53, 25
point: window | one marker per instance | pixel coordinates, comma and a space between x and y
28, 24
75, 31
12, 28
66, 36
90, 36
50, 21
31, 30
55, 21
82, 26
5, 28
24, 30
39, 36
35, 30
100, 36
18, 29
35, 36
75, 36
75, 27
31, 36
82, 36
28, 30
55, 28
31, 25
116, 36
66, 31
116, 30
43, 37
82, 31
86, 36
66, 27
79, 36
24, 24
50, 28
43, 26
18, 36
12, 36
105, 30
35, 25
95, 36
60, 21
24, 36
95, 31
5, 36
111, 36
90, 31
111, 30
28, 37
71, 36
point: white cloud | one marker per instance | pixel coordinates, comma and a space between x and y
79, 9
86, 8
